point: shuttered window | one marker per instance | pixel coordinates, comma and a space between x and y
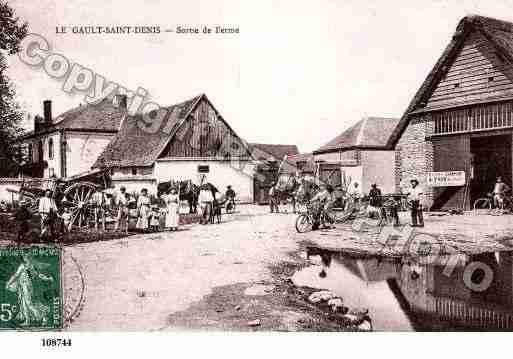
477, 118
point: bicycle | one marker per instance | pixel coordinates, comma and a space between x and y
486, 203
305, 220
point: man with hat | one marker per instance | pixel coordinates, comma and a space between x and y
322, 201
415, 197
47, 210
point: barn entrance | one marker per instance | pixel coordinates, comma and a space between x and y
491, 158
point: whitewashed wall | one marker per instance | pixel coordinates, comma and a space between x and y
83, 149
221, 174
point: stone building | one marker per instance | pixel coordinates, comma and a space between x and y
461, 118
193, 142
362, 154
70, 143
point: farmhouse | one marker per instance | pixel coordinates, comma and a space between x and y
461, 118
362, 154
196, 143
70, 143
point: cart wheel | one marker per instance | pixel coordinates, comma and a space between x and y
77, 197
303, 223
31, 199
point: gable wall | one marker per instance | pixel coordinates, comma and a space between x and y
476, 62
82, 150
204, 135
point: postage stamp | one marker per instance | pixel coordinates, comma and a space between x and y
30, 288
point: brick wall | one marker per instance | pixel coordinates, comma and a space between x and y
415, 157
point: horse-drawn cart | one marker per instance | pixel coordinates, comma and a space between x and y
83, 194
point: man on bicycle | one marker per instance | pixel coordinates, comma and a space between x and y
499, 193
321, 202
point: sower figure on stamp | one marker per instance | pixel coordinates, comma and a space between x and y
122, 202
47, 210
415, 196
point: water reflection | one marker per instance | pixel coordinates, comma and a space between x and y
405, 294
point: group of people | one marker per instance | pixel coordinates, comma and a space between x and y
148, 215
325, 199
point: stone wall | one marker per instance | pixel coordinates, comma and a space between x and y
415, 157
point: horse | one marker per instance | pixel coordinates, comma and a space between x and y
285, 188
187, 189
308, 188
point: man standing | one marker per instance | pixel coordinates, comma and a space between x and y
499, 193
354, 195
47, 210
230, 198
205, 200
274, 199
376, 202
23, 217
122, 202
415, 196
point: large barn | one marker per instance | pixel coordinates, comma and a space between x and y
458, 127
194, 142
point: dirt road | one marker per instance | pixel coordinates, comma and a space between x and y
137, 283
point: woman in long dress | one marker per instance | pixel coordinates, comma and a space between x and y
143, 205
172, 210
31, 311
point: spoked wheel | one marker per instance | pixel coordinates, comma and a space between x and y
31, 199
483, 204
77, 197
303, 223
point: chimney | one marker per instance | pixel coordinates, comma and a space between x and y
120, 101
47, 109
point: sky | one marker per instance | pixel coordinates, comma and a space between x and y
299, 72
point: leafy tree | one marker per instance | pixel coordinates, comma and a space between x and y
12, 31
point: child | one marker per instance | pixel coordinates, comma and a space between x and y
66, 219
23, 217
155, 219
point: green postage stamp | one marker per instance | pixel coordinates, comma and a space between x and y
30, 288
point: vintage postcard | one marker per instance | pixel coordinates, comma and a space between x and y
256, 166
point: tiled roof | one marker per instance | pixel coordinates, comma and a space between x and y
103, 116
272, 152
133, 146
370, 132
293, 161
499, 33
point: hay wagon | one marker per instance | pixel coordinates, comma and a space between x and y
76, 192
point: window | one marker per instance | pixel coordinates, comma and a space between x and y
50, 148
40, 151
134, 171
30, 154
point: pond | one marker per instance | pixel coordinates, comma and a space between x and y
405, 294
